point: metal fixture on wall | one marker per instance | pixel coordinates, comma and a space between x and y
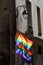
24, 12
30, 30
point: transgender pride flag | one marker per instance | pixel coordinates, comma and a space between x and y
23, 47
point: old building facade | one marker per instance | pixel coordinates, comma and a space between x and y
34, 27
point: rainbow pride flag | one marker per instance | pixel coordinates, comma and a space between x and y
23, 46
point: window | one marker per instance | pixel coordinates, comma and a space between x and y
30, 30
39, 56
39, 50
39, 21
